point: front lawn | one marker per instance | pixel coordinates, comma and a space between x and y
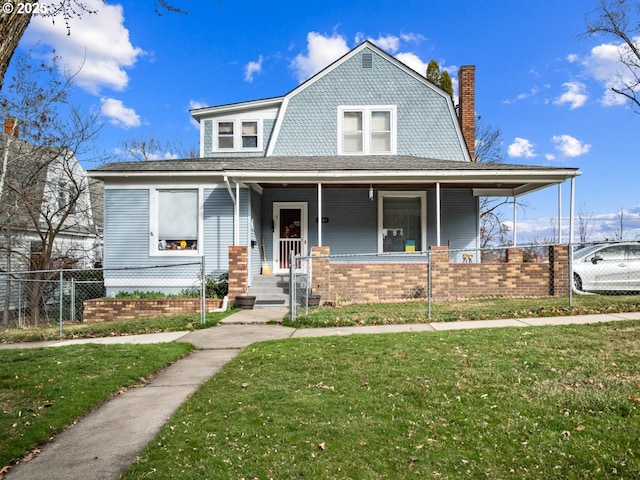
546, 402
464, 309
44, 390
113, 328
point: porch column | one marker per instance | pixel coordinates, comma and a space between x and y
236, 217
236, 210
571, 209
560, 213
319, 214
515, 222
437, 215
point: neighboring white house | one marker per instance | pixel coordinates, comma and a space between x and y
45, 201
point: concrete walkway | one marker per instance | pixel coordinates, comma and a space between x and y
102, 444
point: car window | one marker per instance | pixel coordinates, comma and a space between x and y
634, 252
612, 253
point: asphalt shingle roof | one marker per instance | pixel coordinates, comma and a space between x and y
309, 164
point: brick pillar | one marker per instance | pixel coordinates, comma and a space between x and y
559, 270
321, 273
515, 255
238, 271
440, 277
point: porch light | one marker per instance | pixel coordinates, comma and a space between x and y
371, 192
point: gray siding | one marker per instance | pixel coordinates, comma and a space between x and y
425, 124
126, 228
459, 211
353, 218
218, 229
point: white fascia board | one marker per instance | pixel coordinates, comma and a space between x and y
448, 176
199, 113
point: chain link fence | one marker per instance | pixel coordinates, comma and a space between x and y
58, 296
535, 270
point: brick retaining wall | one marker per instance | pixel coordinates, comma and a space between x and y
361, 282
100, 310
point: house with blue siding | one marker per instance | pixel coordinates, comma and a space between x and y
365, 157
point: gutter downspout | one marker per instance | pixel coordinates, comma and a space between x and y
236, 210
319, 214
437, 214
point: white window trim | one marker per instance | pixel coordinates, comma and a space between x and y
153, 223
237, 135
423, 215
366, 127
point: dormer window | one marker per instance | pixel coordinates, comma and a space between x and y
237, 135
225, 135
366, 130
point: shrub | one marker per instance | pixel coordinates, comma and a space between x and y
217, 287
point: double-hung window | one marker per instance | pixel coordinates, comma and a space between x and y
237, 135
175, 221
225, 135
366, 130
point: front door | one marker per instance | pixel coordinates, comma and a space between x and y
289, 233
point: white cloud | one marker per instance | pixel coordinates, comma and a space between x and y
570, 146
574, 95
99, 43
412, 37
572, 58
321, 51
414, 62
193, 104
118, 114
388, 43
252, 68
521, 147
603, 64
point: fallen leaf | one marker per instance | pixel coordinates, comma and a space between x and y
322, 446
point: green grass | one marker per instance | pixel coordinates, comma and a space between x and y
546, 402
114, 328
469, 309
44, 390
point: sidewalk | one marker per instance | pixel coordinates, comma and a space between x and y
102, 444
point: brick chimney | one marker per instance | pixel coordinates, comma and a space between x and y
467, 106
10, 127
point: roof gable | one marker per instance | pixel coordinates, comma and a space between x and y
427, 124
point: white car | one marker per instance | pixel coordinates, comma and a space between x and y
607, 267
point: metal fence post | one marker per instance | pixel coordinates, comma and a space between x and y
19, 303
72, 307
292, 289
570, 275
203, 293
61, 301
429, 284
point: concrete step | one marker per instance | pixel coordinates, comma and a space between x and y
270, 290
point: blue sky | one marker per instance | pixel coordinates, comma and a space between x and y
538, 79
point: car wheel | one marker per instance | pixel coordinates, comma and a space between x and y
577, 282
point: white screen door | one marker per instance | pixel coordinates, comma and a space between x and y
289, 233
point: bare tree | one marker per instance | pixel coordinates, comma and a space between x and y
619, 20
490, 149
145, 149
584, 224
16, 15
45, 207
618, 232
